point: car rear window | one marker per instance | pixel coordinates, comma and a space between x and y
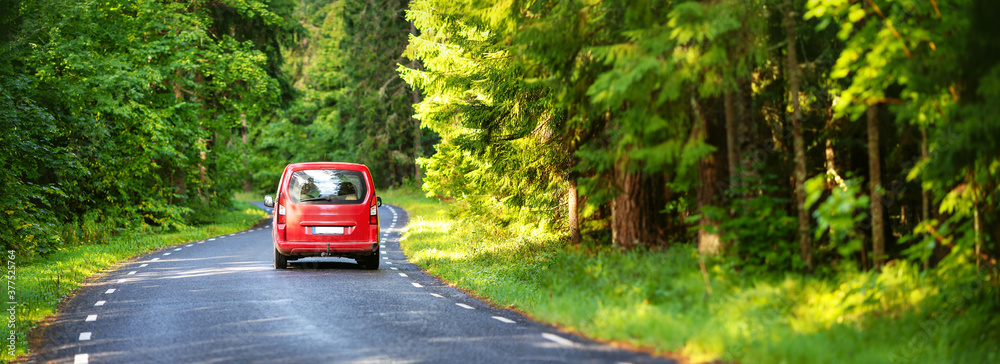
327, 187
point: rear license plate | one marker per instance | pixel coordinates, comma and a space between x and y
328, 230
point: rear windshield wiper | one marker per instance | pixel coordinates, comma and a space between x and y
327, 197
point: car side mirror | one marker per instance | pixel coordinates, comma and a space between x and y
268, 201
379, 199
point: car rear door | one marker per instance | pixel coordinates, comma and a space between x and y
328, 205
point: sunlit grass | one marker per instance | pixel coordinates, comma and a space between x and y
247, 197
43, 283
657, 299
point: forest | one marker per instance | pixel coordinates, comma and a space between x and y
813, 137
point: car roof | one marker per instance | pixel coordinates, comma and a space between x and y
327, 165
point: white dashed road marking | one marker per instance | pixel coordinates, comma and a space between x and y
91, 318
110, 291
178, 249
504, 320
437, 295
154, 259
81, 359
143, 266
84, 336
132, 272
100, 303
166, 253
557, 339
415, 284
402, 274
465, 306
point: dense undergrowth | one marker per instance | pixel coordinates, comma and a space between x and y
43, 282
657, 299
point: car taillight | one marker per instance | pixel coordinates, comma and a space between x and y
281, 213
373, 213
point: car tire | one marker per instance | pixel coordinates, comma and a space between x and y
280, 261
369, 262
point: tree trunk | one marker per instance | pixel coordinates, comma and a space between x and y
572, 198
732, 140
635, 213
203, 154
924, 194
418, 149
805, 244
875, 170
245, 130
178, 180
925, 213
833, 178
708, 229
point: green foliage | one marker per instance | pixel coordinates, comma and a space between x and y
657, 299
350, 104
761, 232
376, 104
497, 152
126, 115
839, 215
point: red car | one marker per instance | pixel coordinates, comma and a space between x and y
327, 210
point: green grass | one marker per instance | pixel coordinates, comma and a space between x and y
43, 283
657, 300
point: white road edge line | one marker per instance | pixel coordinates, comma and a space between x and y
465, 306
84, 336
91, 318
81, 359
557, 339
504, 320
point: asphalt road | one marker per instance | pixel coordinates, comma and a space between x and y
220, 301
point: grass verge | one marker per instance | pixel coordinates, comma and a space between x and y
657, 300
41, 284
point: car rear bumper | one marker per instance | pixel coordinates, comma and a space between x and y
294, 248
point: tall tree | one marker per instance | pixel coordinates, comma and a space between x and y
377, 105
875, 171
798, 142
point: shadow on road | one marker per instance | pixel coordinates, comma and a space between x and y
345, 264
